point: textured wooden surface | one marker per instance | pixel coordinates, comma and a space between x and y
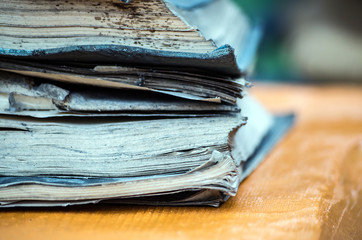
309, 187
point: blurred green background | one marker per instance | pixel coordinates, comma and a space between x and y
307, 41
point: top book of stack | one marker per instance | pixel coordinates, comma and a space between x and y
194, 52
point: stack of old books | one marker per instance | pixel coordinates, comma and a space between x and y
127, 102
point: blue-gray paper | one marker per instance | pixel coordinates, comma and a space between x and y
277, 131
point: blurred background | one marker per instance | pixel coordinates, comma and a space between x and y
307, 41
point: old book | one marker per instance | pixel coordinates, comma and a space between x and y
185, 84
113, 44
184, 160
26, 96
140, 102
169, 33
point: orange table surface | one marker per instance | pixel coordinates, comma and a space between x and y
308, 187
